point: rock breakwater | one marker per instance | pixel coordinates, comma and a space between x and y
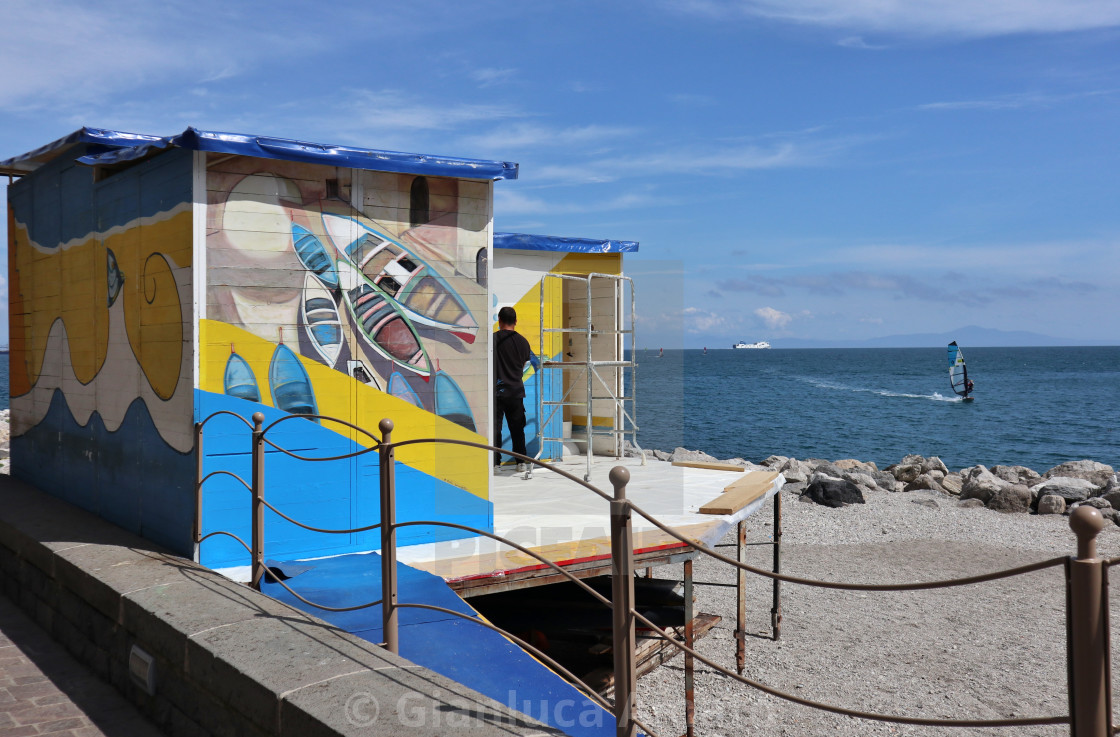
1009, 489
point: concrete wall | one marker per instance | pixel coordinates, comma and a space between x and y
101, 352
229, 660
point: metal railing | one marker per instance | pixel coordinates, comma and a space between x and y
1087, 613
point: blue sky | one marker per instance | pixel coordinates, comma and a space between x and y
819, 169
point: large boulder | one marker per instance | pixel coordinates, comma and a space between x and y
694, 456
952, 483
795, 471
861, 479
887, 481
906, 472
924, 482
971, 504
1097, 473
1014, 498
1016, 474
1113, 498
1051, 504
662, 455
1067, 487
775, 462
830, 492
933, 463
980, 483
851, 464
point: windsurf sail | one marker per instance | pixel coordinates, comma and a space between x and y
958, 372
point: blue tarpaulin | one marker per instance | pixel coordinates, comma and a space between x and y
454, 647
114, 147
528, 242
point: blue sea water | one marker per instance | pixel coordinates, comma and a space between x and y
1035, 407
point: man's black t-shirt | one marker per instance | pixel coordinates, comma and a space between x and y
511, 351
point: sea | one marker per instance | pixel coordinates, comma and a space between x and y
1034, 407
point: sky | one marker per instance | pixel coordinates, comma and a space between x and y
811, 169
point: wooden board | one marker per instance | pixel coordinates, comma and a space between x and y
652, 651
710, 466
740, 493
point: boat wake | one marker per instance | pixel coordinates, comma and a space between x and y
934, 397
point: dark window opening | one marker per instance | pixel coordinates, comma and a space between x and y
418, 210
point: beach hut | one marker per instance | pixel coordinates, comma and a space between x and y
155, 281
574, 304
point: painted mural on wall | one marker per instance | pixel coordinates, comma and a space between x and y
101, 377
318, 307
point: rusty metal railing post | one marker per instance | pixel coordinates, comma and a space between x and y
622, 603
689, 665
776, 607
388, 538
1090, 707
258, 500
197, 490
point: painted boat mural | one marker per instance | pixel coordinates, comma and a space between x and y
400, 388
321, 319
239, 380
425, 296
115, 277
289, 383
451, 403
381, 322
314, 256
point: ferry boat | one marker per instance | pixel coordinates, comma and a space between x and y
751, 346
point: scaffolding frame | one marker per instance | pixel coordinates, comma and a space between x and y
625, 421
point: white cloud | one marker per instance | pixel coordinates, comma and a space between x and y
490, 77
523, 135
857, 42
961, 18
773, 319
510, 202
697, 320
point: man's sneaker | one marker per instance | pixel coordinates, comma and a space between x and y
522, 467
497, 470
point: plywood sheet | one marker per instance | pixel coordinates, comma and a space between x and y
714, 466
740, 493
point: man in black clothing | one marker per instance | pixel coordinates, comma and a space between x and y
511, 352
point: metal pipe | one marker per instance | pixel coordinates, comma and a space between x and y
1090, 707
622, 600
258, 501
198, 477
590, 428
689, 665
776, 607
740, 601
388, 538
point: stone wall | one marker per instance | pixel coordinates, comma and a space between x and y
228, 660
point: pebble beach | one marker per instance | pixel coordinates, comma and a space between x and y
986, 651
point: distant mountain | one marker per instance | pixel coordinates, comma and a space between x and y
971, 336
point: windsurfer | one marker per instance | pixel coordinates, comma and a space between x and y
968, 387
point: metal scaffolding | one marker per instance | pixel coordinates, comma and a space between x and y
619, 390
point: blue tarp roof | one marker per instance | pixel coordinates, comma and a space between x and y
110, 147
528, 242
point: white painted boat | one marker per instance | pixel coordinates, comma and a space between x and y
760, 345
321, 320
424, 296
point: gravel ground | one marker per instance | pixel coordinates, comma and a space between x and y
985, 651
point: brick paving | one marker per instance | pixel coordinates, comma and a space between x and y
43, 690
